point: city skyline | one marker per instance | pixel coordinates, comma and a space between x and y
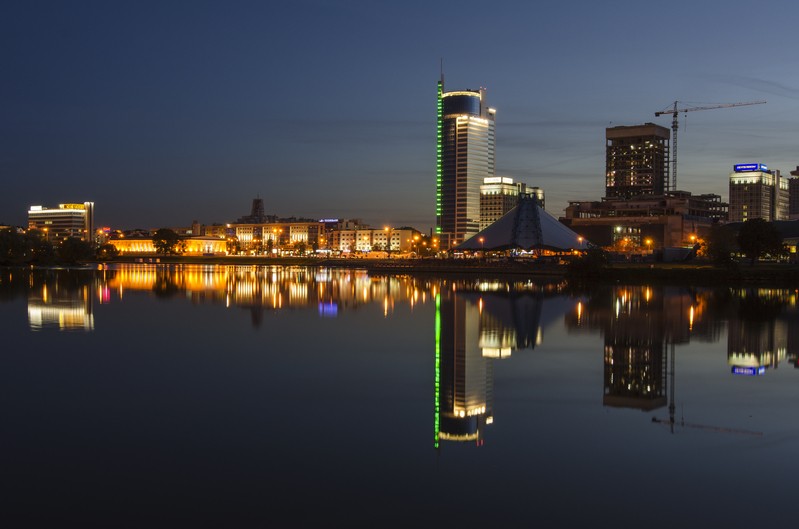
162, 115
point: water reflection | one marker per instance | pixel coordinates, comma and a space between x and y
479, 320
477, 324
57, 299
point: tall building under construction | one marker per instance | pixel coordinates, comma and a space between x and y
636, 160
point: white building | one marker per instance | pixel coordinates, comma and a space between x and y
63, 222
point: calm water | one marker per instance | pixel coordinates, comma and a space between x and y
279, 397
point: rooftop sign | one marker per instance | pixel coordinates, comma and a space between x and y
748, 371
749, 167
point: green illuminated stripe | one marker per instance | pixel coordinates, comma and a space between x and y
439, 149
437, 413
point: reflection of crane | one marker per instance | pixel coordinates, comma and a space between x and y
670, 421
674, 113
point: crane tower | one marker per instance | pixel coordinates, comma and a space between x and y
675, 111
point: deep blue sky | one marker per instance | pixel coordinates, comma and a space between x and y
164, 112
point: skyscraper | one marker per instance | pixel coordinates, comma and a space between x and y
464, 157
636, 160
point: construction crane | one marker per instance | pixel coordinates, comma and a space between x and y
674, 111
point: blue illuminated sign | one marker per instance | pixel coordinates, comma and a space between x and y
328, 310
748, 371
748, 167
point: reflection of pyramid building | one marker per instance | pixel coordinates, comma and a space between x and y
527, 226
508, 322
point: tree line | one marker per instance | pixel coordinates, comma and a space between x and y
33, 247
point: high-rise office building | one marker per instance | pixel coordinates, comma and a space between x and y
500, 194
63, 222
757, 193
636, 160
464, 158
793, 195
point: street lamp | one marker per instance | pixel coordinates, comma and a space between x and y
388, 240
482, 250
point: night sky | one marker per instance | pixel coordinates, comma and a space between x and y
165, 112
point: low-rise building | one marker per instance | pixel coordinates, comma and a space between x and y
189, 245
646, 222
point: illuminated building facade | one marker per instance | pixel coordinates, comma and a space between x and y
636, 160
464, 158
255, 238
63, 222
190, 245
757, 193
499, 195
366, 239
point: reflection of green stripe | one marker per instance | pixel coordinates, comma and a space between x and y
437, 414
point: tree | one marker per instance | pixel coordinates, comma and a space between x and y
301, 248
12, 247
757, 238
166, 241
107, 251
590, 265
73, 250
233, 246
719, 244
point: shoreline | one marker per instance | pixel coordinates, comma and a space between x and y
697, 273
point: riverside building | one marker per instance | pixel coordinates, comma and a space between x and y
64, 222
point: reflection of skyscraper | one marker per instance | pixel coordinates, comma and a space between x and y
62, 308
635, 373
464, 378
757, 337
464, 157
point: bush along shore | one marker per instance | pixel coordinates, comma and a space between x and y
583, 270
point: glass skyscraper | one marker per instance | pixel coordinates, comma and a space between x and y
464, 158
